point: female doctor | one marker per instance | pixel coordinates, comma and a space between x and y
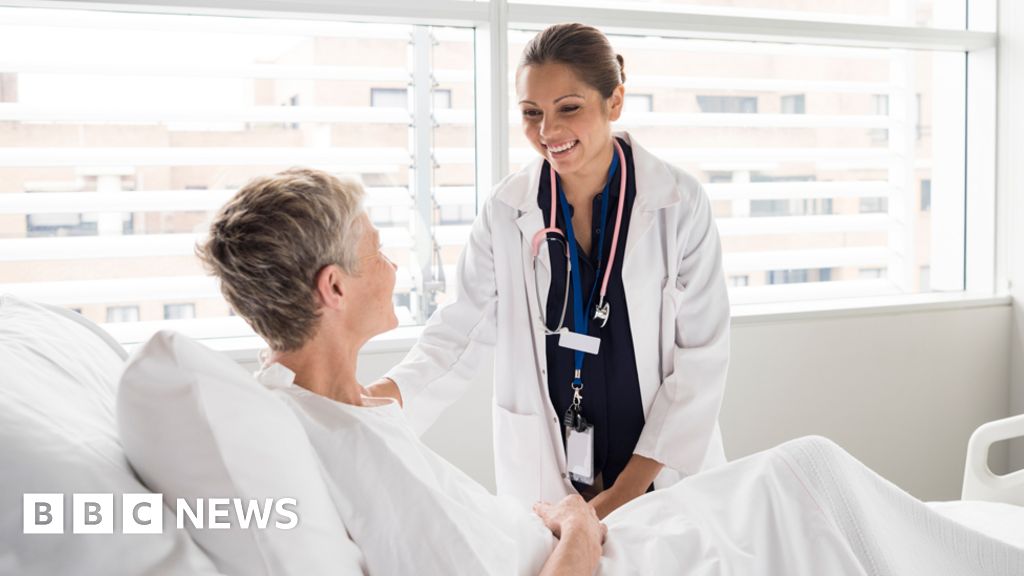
595, 272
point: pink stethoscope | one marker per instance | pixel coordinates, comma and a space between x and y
601, 311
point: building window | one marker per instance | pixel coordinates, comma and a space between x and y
799, 276
925, 279
442, 99
794, 207
639, 103
382, 215
926, 195
787, 276
871, 273
793, 104
873, 205
59, 225
8, 87
389, 97
787, 206
880, 106
179, 311
71, 224
728, 104
739, 281
399, 98
880, 103
122, 314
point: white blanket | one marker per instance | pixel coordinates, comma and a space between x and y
806, 507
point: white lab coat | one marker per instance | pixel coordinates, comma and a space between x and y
679, 319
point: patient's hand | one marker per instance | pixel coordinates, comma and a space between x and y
384, 388
572, 513
579, 532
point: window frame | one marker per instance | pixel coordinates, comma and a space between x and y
491, 21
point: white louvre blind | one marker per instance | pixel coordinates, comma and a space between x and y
113, 160
832, 170
820, 162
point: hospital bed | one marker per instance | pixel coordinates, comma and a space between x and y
58, 434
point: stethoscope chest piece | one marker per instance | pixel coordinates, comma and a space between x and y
601, 313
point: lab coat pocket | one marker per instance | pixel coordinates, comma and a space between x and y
671, 298
516, 450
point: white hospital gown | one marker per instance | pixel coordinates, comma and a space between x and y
803, 508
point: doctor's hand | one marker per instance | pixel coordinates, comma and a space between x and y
384, 388
580, 536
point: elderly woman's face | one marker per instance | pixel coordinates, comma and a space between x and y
375, 283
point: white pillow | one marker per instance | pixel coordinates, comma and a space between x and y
195, 424
58, 378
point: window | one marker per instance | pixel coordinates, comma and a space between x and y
223, 99
805, 199
399, 98
8, 87
787, 276
389, 97
880, 103
871, 273
179, 311
793, 104
873, 205
638, 103
728, 104
123, 314
799, 276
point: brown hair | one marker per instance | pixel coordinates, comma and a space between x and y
267, 244
583, 48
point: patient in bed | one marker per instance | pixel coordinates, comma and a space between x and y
299, 259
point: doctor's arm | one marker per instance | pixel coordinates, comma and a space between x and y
439, 366
632, 483
684, 415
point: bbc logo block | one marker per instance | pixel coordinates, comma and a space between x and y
43, 513
93, 513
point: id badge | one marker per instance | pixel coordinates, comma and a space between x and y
579, 454
581, 342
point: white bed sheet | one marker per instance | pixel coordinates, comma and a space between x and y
803, 508
1001, 521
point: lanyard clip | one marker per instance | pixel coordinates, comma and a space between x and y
576, 398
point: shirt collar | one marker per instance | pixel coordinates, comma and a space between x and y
656, 184
275, 375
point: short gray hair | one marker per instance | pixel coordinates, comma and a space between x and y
268, 243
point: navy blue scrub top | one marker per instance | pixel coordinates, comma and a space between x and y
611, 387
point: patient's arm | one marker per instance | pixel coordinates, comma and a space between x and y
580, 535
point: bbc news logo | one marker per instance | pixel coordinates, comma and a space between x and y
144, 513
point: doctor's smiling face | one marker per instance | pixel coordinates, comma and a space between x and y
566, 120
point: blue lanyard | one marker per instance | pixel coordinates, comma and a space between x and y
581, 321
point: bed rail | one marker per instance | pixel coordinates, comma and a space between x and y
980, 483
